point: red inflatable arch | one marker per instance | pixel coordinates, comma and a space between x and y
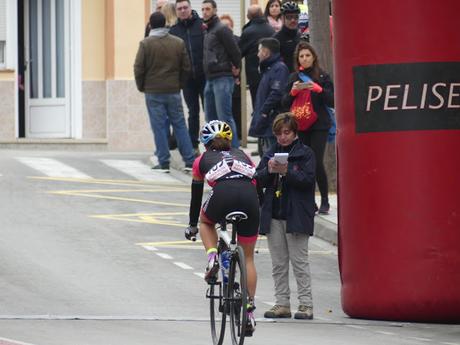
397, 72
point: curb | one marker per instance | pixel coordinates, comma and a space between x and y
325, 230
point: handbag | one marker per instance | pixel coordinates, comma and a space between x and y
303, 110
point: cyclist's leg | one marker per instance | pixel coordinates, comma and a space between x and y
208, 234
248, 249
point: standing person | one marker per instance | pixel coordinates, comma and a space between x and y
275, 75
232, 190
158, 7
160, 4
273, 14
169, 11
189, 28
227, 20
161, 67
287, 216
253, 31
321, 92
289, 34
221, 61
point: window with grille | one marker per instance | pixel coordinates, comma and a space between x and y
2, 54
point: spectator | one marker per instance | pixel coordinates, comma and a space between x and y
322, 96
169, 11
269, 94
273, 14
161, 67
189, 28
159, 5
289, 34
221, 61
287, 216
227, 20
253, 31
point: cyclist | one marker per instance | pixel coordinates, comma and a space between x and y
229, 171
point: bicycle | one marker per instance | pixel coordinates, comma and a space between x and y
228, 296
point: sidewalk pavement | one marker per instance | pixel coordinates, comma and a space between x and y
325, 225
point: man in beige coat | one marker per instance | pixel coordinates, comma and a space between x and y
161, 69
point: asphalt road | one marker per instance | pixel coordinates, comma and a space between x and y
92, 253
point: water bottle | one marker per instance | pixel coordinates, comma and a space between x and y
225, 265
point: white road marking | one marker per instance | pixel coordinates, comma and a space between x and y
183, 266
151, 248
269, 303
420, 339
199, 274
51, 167
385, 333
164, 256
355, 326
322, 318
138, 170
447, 343
7, 341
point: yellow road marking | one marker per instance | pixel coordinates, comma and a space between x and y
160, 218
98, 196
108, 182
167, 243
169, 189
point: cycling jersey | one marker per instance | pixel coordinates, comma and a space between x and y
230, 173
217, 166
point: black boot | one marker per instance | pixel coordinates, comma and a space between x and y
324, 208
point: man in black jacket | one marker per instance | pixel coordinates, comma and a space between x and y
289, 35
189, 27
221, 61
253, 31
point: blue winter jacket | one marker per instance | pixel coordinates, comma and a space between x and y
274, 78
298, 191
192, 33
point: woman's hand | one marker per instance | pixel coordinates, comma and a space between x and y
276, 168
313, 87
297, 86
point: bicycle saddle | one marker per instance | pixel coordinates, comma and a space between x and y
236, 216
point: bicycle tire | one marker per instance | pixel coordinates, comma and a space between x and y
238, 296
217, 304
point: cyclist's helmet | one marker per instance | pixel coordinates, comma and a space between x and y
215, 129
290, 7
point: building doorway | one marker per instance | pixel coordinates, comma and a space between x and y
44, 58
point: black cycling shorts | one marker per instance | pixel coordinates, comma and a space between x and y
234, 195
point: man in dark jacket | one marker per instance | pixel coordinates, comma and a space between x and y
287, 215
221, 61
189, 28
161, 68
269, 93
289, 35
253, 31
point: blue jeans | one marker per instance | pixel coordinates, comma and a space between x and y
218, 103
165, 109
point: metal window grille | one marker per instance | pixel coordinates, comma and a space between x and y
2, 53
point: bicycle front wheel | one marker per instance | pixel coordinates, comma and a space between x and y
238, 297
217, 308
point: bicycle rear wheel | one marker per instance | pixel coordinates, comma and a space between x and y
238, 298
217, 307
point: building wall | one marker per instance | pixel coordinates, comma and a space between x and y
94, 99
112, 106
7, 105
